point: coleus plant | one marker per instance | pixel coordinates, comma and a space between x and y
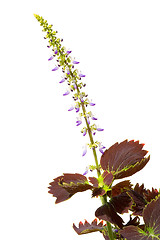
117, 162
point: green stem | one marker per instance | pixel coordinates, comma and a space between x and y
90, 136
110, 232
103, 198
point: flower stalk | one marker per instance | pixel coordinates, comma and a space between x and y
72, 77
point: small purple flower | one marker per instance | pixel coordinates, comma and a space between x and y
85, 132
71, 108
54, 69
82, 100
56, 51
100, 129
94, 133
68, 52
77, 109
84, 152
93, 118
68, 72
66, 93
92, 104
85, 173
62, 80
81, 75
75, 62
101, 150
50, 58
78, 122
75, 86
88, 120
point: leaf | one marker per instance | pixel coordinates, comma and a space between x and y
149, 195
121, 203
135, 221
124, 159
139, 202
107, 213
151, 216
88, 228
121, 187
101, 185
107, 178
65, 186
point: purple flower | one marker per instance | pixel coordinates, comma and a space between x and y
50, 58
75, 86
68, 52
84, 152
81, 75
54, 69
77, 109
85, 171
88, 120
75, 62
101, 150
93, 118
66, 93
78, 122
94, 133
82, 100
68, 72
56, 51
92, 104
85, 132
71, 108
100, 129
62, 80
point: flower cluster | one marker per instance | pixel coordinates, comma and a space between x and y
73, 78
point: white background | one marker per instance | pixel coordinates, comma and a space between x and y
118, 46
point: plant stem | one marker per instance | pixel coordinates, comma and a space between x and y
103, 198
110, 232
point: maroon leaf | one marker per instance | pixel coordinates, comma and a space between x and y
66, 186
124, 159
98, 192
121, 187
134, 233
150, 195
107, 178
151, 216
107, 213
135, 221
121, 203
139, 202
94, 181
88, 228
